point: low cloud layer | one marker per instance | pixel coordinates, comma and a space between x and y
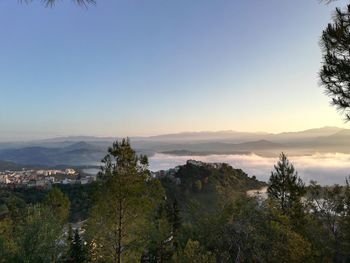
329, 168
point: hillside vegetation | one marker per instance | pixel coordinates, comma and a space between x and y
207, 186
197, 212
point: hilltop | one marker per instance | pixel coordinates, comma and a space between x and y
206, 185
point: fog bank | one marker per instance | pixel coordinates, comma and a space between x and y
329, 168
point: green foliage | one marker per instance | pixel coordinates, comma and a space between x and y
38, 235
77, 252
3, 210
81, 199
193, 253
31, 233
345, 222
59, 203
329, 207
197, 186
14, 204
248, 231
8, 247
206, 187
159, 237
285, 187
174, 218
127, 198
135, 219
335, 72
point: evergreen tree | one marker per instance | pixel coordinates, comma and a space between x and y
285, 187
127, 196
345, 223
175, 220
158, 238
335, 72
59, 203
39, 235
330, 205
194, 253
77, 252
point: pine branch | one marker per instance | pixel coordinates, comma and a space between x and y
51, 3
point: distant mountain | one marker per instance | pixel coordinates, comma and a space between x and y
225, 136
237, 137
341, 134
258, 145
192, 137
306, 134
71, 139
5, 165
326, 139
337, 142
82, 146
223, 148
28, 155
75, 154
87, 150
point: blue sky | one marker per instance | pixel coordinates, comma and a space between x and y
127, 67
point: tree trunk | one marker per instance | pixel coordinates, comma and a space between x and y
119, 249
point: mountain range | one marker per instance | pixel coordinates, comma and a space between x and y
88, 150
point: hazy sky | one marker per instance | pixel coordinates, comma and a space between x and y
132, 67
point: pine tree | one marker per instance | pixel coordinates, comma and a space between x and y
158, 238
335, 72
346, 219
126, 198
285, 186
76, 252
176, 216
175, 220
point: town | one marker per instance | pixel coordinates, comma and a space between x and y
42, 178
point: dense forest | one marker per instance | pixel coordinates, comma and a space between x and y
197, 212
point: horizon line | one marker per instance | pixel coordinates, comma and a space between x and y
165, 134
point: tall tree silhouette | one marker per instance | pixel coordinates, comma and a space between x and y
126, 198
285, 186
335, 72
76, 251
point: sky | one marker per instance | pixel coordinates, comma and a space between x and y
132, 67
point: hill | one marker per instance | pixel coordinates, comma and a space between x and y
224, 148
85, 150
228, 136
305, 135
206, 185
5, 165
80, 153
